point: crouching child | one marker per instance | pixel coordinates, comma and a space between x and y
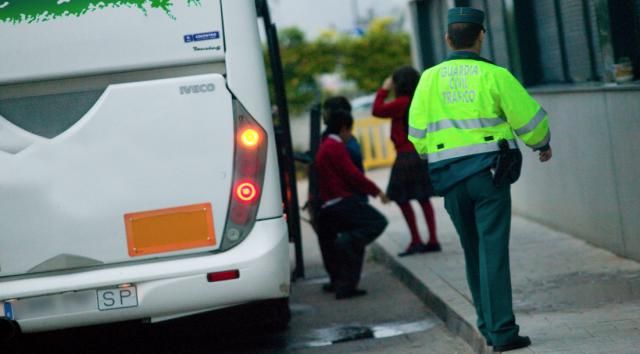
345, 218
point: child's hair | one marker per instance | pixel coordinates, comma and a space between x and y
405, 81
335, 103
338, 120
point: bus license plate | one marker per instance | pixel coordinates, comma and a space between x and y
117, 298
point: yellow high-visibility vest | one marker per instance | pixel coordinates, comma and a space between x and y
463, 107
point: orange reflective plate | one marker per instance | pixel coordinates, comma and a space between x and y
169, 230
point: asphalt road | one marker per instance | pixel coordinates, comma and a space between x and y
390, 319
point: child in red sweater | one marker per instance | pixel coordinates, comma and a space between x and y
327, 245
409, 175
345, 218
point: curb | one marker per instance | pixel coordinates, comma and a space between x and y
445, 301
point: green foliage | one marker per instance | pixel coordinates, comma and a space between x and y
365, 60
16, 11
302, 62
300, 83
368, 60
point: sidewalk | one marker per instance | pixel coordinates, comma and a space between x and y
569, 296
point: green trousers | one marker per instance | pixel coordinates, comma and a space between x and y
481, 214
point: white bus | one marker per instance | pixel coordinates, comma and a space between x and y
138, 168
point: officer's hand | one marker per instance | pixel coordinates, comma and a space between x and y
388, 84
546, 155
383, 197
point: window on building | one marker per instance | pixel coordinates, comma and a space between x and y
549, 41
625, 31
575, 35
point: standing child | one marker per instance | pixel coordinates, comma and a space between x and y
409, 176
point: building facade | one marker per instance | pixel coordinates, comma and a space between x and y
581, 60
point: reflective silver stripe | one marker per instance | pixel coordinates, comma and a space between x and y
466, 151
544, 142
417, 133
533, 123
465, 123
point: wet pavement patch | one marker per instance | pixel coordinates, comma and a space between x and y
343, 334
301, 309
576, 291
347, 333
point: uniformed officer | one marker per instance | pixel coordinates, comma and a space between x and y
464, 118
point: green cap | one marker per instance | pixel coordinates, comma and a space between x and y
465, 15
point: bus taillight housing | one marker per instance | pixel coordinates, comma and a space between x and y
250, 155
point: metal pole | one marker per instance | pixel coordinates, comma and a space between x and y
586, 13
606, 42
509, 17
283, 141
563, 45
491, 46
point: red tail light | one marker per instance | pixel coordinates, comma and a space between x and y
247, 192
249, 166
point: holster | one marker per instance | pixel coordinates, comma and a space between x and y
508, 165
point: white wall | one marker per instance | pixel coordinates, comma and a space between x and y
590, 188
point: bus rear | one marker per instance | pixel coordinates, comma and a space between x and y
139, 171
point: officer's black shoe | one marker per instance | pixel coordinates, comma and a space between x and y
519, 342
347, 294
